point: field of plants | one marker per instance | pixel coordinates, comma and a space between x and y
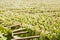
39, 17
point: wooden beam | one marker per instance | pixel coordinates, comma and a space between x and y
14, 25
23, 32
22, 38
18, 30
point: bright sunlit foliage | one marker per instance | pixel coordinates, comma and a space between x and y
40, 16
